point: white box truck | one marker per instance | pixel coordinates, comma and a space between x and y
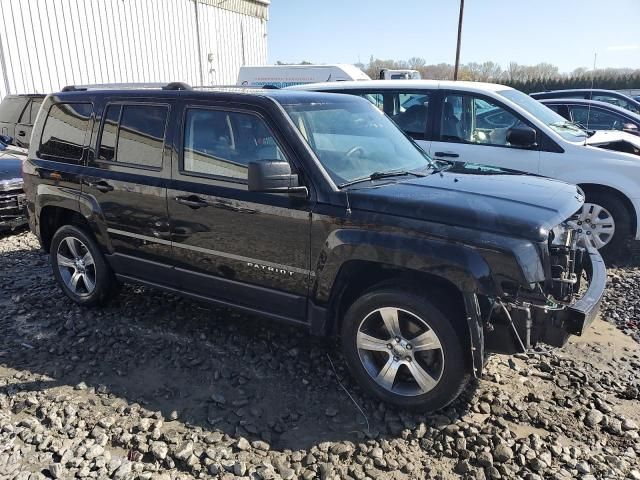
281, 76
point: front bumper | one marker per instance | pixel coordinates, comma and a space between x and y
582, 313
13, 211
517, 327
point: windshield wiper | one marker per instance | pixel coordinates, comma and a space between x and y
442, 168
380, 175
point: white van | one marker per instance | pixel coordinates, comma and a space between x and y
287, 75
399, 74
493, 124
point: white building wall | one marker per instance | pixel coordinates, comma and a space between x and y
47, 44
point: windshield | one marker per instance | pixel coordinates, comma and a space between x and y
353, 140
559, 124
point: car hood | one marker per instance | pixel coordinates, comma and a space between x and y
602, 137
477, 197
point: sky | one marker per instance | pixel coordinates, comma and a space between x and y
566, 33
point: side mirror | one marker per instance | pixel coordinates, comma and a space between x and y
6, 139
274, 176
522, 136
630, 127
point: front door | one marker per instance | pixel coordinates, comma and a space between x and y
127, 177
474, 129
230, 244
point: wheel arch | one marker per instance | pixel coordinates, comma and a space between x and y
626, 201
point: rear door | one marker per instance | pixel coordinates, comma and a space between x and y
11, 110
246, 248
127, 178
473, 128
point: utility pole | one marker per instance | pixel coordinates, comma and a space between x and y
455, 70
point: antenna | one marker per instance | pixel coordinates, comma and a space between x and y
593, 78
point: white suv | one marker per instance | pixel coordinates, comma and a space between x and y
496, 125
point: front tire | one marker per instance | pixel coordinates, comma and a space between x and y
605, 223
80, 268
404, 350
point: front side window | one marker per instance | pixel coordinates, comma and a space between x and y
134, 134
63, 136
469, 119
353, 139
409, 110
222, 143
596, 119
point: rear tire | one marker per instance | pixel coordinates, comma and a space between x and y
80, 268
420, 366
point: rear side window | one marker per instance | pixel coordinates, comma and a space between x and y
410, 110
65, 129
11, 108
134, 134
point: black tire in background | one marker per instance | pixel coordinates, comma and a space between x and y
454, 371
105, 285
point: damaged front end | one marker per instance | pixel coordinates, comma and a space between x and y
564, 304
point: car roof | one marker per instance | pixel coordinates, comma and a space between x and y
403, 84
231, 94
579, 90
593, 103
27, 95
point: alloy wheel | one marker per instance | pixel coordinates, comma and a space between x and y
76, 266
595, 225
400, 351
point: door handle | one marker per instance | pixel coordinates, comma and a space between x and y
101, 186
21, 133
446, 154
192, 201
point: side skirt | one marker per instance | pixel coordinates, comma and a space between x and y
215, 301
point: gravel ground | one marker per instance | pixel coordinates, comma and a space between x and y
159, 387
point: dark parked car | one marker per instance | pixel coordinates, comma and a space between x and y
313, 209
17, 115
12, 198
608, 96
594, 115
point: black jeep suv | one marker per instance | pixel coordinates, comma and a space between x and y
314, 209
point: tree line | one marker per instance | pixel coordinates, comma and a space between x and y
527, 78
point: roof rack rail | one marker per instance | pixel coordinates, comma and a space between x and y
120, 86
240, 87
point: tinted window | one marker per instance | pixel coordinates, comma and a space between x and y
141, 135
223, 143
133, 134
107, 148
64, 131
11, 108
